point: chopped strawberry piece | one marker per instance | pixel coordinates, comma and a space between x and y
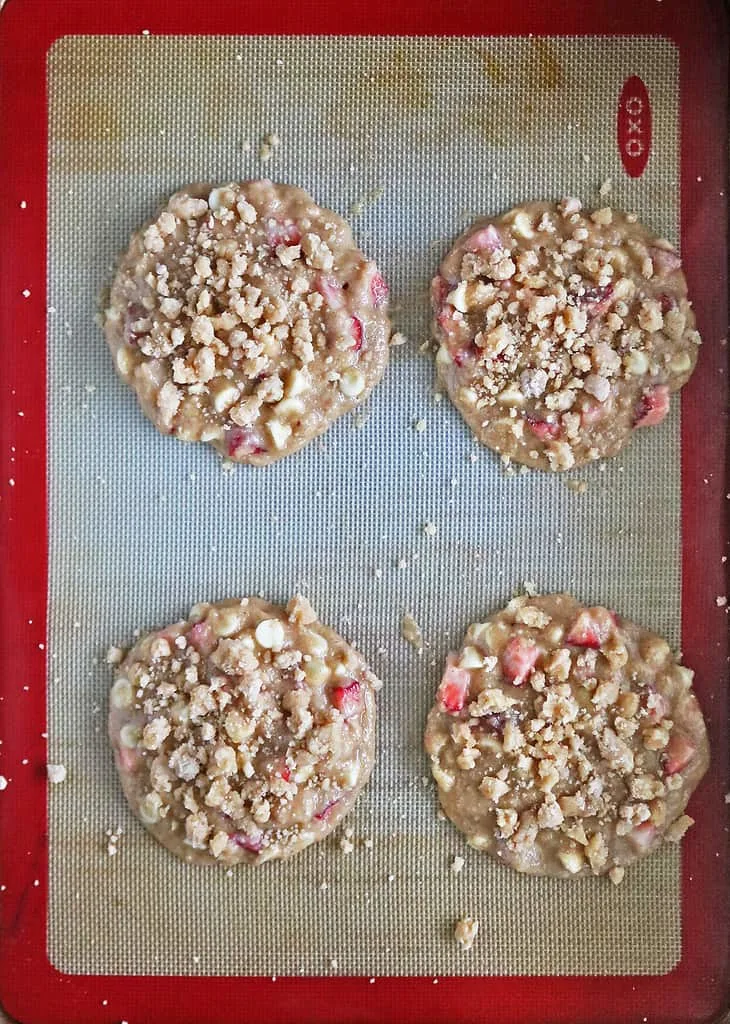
665, 261
643, 835
543, 429
597, 300
518, 659
330, 290
128, 760
485, 240
667, 302
327, 809
448, 322
464, 355
678, 753
283, 233
440, 288
346, 698
379, 290
454, 688
356, 330
592, 628
652, 407
202, 637
491, 723
241, 441
253, 843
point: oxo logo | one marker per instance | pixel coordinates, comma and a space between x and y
633, 126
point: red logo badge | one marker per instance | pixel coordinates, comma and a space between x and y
633, 126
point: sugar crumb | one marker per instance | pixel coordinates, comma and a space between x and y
411, 631
419, 426
114, 655
3, 783
457, 864
465, 932
56, 773
721, 601
346, 845
430, 529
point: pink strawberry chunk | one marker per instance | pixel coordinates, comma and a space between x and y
242, 441
665, 260
485, 240
643, 835
202, 638
543, 429
253, 842
330, 290
327, 809
128, 760
379, 290
678, 753
592, 628
597, 300
461, 356
652, 407
283, 233
346, 698
356, 331
454, 688
518, 659
440, 288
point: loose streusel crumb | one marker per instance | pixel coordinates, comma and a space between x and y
457, 865
244, 733
465, 932
561, 330
566, 740
578, 486
245, 316
430, 529
721, 601
56, 773
411, 631
114, 655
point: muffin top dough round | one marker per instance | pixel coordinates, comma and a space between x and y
561, 331
245, 316
243, 734
566, 740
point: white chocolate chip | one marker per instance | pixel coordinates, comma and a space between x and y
352, 383
122, 694
280, 432
270, 634
130, 735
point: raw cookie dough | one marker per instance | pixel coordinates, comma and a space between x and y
565, 740
243, 734
245, 316
561, 331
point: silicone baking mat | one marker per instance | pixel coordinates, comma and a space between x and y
410, 137
446, 130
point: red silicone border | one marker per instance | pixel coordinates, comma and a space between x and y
30, 988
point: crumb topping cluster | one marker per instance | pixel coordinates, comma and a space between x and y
546, 315
242, 729
237, 308
567, 736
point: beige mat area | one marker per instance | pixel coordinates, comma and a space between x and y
411, 138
